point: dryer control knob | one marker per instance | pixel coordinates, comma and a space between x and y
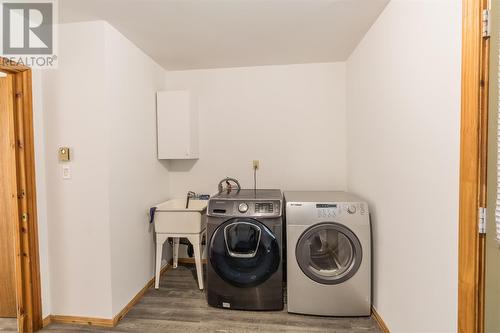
243, 207
351, 209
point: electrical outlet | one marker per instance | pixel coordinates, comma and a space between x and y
256, 164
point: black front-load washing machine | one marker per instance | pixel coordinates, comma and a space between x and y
244, 239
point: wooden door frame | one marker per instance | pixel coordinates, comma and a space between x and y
27, 264
473, 167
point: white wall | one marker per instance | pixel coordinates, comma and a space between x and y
403, 112
101, 103
137, 179
291, 118
75, 115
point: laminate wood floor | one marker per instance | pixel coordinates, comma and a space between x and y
179, 306
8, 325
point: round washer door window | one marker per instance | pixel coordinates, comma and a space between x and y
244, 252
329, 253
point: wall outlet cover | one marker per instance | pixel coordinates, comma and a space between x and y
256, 164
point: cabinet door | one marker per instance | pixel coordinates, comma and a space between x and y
176, 125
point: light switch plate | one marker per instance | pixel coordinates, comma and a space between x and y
64, 154
66, 172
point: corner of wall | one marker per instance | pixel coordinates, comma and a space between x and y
132, 79
41, 191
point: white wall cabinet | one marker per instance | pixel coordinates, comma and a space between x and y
177, 125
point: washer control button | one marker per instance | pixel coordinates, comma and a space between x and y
351, 209
243, 207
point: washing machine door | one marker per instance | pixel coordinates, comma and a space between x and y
329, 253
244, 252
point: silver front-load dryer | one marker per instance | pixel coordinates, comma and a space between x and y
328, 254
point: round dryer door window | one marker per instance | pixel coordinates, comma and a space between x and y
329, 253
244, 252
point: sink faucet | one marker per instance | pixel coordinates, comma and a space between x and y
190, 195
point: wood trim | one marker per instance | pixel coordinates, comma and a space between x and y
75, 320
483, 168
27, 199
9, 204
46, 321
137, 297
188, 261
28, 289
12, 67
380, 321
473, 163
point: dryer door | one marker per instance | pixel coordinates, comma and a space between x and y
244, 252
329, 253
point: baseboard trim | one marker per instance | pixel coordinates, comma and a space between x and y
189, 261
137, 297
380, 321
46, 321
75, 320
102, 322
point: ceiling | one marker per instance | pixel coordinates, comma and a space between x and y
190, 34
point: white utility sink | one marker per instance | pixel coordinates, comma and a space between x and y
172, 216
174, 220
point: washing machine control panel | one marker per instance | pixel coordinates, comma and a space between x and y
247, 208
264, 207
243, 207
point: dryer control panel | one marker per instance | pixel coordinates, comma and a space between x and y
327, 210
